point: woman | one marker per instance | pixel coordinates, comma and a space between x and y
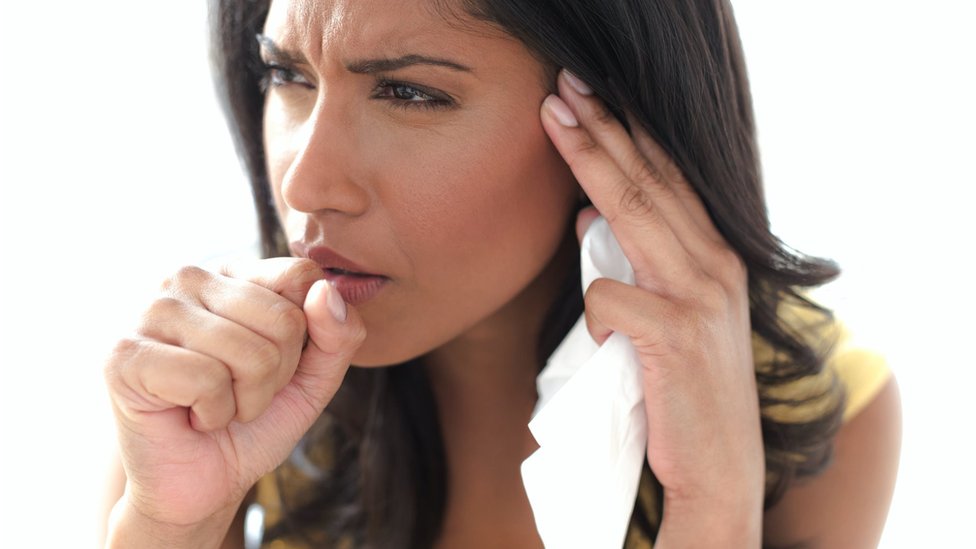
428, 167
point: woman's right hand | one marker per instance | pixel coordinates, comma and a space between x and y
219, 384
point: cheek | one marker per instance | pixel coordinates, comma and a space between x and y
470, 214
278, 155
491, 208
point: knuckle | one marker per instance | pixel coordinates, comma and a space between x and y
586, 146
214, 379
289, 323
265, 358
302, 273
729, 266
644, 173
123, 353
166, 306
160, 311
189, 275
634, 201
596, 293
671, 172
126, 348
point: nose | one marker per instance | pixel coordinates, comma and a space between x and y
318, 180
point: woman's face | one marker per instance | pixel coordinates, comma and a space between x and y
411, 145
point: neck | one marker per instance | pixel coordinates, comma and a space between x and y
488, 373
484, 386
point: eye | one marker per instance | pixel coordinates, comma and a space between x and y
276, 76
407, 96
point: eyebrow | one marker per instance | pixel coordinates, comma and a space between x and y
364, 66
278, 53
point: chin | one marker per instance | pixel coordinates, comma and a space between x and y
378, 356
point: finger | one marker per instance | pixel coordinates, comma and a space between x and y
335, 334
672, 176
611, 136
653, 323
719, 259
598, 330
149, 376
661, 263
584, 218
262, 311
253, 362
289, 277
252, 304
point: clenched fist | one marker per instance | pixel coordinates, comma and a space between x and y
223, 376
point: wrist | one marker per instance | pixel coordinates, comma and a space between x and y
708, 524
129, 527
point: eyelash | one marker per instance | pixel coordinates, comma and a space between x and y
430, 101
271, 77
275, 75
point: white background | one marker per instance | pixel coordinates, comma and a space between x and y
116, 169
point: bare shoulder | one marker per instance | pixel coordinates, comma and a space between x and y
846, 506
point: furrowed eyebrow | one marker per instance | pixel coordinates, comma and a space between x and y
367, 66
280, 54
363, 66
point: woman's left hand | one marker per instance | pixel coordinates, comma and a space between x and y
687, 316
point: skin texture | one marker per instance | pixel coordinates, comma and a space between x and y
846, 507
687, 315
468, 210
214, 389
462, 207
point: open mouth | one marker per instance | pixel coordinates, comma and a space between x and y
343, 272
355, 288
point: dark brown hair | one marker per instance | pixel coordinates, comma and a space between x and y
675, 65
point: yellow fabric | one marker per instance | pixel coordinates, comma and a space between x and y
861, 373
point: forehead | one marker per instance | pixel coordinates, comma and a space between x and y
351, 26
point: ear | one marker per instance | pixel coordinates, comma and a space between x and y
583, 220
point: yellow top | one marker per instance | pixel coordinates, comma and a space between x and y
861, 372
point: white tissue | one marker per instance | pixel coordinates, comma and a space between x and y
589, 423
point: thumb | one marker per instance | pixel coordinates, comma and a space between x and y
335, 333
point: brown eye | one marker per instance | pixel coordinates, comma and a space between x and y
276, 76
405, 95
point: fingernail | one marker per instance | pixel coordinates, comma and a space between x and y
577, 84
335, 303
561, 111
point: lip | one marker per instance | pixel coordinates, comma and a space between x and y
357, 289
356, 286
